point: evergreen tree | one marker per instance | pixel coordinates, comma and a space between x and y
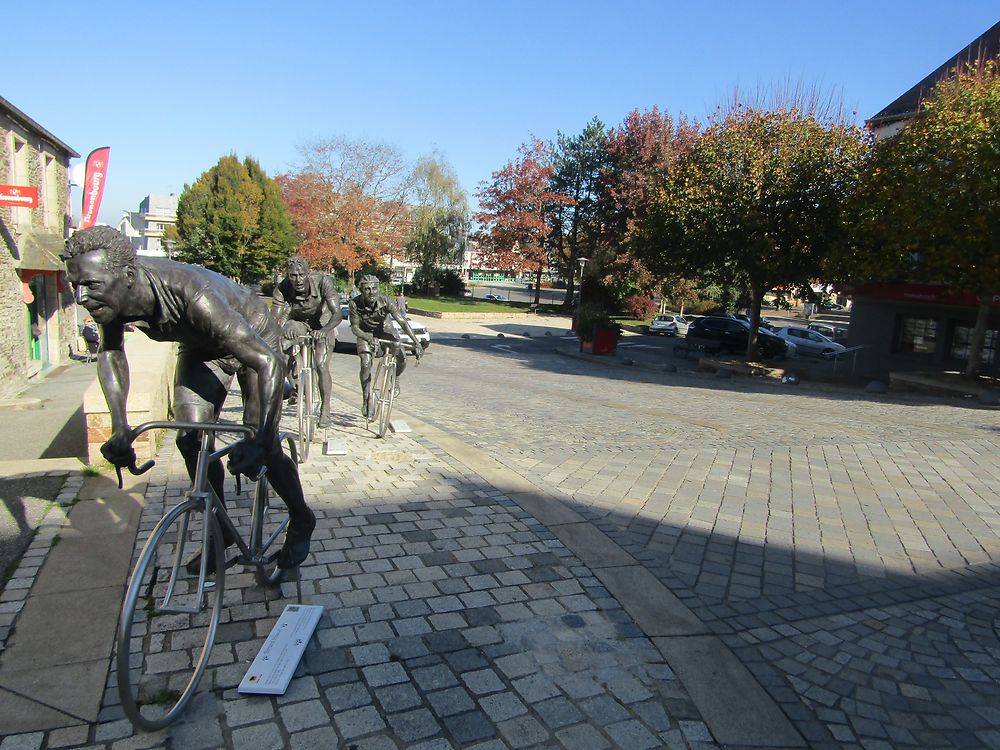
274, 238
231, 221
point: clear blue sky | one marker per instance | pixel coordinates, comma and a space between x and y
171, 87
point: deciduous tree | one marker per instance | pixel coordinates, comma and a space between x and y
348, 201
517, 214
758, 199
929, 208
439, 216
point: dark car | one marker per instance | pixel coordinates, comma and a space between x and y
717, 334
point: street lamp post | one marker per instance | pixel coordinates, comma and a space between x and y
583, 262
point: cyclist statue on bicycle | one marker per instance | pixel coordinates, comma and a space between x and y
308, 303
369, 311
223, 329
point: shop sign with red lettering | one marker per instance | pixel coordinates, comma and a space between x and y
22, 196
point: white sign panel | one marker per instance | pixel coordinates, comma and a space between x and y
275, 664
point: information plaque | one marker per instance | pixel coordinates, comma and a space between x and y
277, 659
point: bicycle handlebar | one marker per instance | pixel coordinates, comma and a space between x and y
168, 425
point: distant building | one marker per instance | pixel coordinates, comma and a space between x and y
922, 326
37, 313
146, 228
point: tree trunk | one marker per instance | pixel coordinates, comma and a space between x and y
538, 283
979, 333
756, 292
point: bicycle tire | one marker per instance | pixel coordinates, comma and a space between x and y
267, 574
375, 392
388, 393
153, 693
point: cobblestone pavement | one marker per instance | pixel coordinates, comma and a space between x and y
844, 546
453, 619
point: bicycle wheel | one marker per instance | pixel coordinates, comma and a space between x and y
374, 392
385, 401
265, 526
163, 650
305, 413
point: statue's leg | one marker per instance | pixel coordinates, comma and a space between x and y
365, 355
283, 476
200, 390
325, 381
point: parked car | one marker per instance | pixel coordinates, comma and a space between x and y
494, 297
466, 292
836, 333
345, 336
830, 306
732, 335
810, 342
764, 321
669, 325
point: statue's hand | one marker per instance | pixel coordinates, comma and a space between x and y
247, 458
319, 336
118, 450
418, 350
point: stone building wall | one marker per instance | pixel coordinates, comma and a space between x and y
30, 240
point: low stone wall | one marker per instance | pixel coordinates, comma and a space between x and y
468, 315
151, 382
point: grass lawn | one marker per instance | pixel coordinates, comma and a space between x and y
627, 321
467, 304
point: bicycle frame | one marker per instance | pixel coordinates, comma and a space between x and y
305, 351
201, 489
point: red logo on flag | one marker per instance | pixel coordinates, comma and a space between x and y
93, 185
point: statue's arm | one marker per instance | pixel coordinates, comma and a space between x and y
279, 306
405, 325
112, 372
332, 302
230, 331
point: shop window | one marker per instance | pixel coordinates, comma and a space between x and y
917, 335
961, 343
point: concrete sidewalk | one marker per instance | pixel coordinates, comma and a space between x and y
465, 607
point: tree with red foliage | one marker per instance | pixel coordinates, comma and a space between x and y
348, 202
642, 151
516, 217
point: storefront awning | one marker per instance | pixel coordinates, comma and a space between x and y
40, 251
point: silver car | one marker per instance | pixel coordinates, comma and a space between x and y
669, 325
346, 336
810, 342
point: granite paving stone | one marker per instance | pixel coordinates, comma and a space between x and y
848, 560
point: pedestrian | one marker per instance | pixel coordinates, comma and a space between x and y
401, 303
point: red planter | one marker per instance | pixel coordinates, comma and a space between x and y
605, 340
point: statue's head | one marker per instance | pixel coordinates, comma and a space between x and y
369, 285
297, 272
101, 266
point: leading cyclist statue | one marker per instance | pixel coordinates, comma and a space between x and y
223, 329
368, 312
308, 303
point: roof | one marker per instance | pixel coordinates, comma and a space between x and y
16, 114
984, 47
